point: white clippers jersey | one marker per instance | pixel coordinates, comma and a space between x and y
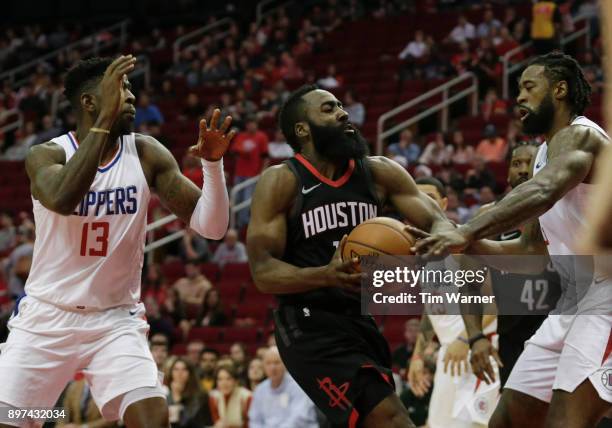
562, 224
92, 259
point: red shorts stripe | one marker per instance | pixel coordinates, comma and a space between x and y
608, 348
353, 419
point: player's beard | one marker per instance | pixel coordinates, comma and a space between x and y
336, 145
540, 121
124, 125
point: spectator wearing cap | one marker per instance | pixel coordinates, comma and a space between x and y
278, 402
492, 148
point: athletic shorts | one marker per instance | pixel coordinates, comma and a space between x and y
47, 346
564, 352
341, 361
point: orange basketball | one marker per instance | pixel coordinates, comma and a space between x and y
378, 236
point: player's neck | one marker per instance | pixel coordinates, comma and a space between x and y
562, 119
324, 166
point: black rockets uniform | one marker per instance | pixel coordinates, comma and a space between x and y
336, 355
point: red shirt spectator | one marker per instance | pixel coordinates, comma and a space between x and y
250, 147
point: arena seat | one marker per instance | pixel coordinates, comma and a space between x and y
205, 334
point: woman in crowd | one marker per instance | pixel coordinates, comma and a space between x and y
188, 405
229, 402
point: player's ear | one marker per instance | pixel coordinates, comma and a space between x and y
301, 129
560, 91
89, 103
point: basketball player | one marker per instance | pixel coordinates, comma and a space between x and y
90, 191
565, 364
444, 321
523, 300
301, 212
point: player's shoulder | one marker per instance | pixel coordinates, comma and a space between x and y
146, 143
151, 152
48, 152
580, 136
278, 182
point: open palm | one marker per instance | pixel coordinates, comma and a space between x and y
213, 141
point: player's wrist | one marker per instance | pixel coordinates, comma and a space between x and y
467, 232
476, 338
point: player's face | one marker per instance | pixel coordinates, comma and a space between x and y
535, 101
125, 121
431, 191
519, 165
333, 136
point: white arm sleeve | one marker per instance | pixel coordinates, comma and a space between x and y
210, 217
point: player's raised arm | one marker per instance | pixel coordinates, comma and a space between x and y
206, 211
400, 188
570, 159
61, 185
267, 236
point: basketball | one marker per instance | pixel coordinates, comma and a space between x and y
378, 236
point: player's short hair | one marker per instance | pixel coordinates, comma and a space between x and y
559, 66
292, 111
524, 143
84, 75
432, 181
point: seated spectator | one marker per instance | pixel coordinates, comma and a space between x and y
194, 246
147, 111
463, 31
405, 148
331, 79
157, 322
354, 108
229, 402
462, 153
455, 210
242, 108
159, 349
48, 130
194, 353
402, 355
489, 21
437, 152
193, 287
493, 105
414, 53
230, 250
18, 264
81, 409
289, 68
8, 232
188, 405
506, 44
211, 313
492, 148
480, 175
238, 356
279, 401
154, 284
26, 139
208, 367
193, 110
279, 149
255, 373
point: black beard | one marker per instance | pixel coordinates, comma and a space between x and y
124, 126
540, 121
335, 145
518, 180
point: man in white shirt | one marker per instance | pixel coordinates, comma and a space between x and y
231, 250
279, 402
416, 49
463, 31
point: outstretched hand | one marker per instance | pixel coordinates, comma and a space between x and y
213, 142
438, 244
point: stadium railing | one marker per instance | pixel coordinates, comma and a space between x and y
89, 45
268, 7
442, 106
220, 29
15, 124
510, 67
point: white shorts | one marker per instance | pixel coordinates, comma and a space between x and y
566, 350
460, 401
47, 346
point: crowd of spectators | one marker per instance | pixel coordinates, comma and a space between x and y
254, 66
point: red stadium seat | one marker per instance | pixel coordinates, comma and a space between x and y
205, 334
241, 334
236, 271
